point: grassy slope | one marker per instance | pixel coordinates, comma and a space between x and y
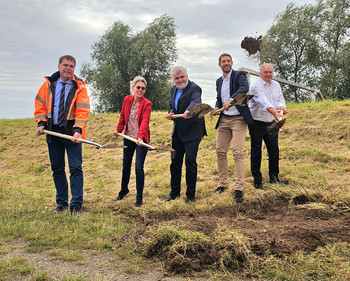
315, 159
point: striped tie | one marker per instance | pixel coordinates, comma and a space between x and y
60, 119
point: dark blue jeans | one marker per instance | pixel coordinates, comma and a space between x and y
57, 149
258, 132
182, 148
128, 154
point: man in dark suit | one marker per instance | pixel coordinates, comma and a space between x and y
187, 132
231, 125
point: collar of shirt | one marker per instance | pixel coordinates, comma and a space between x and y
228, 76
225, 94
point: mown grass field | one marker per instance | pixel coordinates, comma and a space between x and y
299, 231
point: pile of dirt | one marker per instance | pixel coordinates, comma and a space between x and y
251, 44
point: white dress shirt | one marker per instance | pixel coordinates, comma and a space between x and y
225, 94
265, 95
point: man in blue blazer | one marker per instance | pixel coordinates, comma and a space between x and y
187, 132
231, 125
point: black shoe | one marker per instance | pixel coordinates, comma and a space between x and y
59, 209
121, 195
238, 196
138, 203
170, 198
220, 189
190, 200
258, 185
75, 211
274, 180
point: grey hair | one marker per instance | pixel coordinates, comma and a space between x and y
138, 79
177, 69
267, 65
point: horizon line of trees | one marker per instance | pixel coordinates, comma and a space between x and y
308, 45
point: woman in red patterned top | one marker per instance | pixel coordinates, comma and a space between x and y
134, 121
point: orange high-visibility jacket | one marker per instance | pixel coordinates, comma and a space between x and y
77, 105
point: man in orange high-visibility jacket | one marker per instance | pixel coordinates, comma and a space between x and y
62, 105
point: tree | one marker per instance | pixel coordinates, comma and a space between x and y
334, 48
291, 44
120, 55
310, 45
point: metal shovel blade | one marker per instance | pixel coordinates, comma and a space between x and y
200, 110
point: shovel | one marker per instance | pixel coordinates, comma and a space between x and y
199, 110
238, 100
163, 147
275, 127
71, 138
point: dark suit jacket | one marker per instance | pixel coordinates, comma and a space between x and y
187, 129
238, 85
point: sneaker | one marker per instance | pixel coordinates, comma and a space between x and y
59, 209
138, 203
75, 211
220, 189
238, 196
121, 195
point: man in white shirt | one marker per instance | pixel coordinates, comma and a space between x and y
265, 105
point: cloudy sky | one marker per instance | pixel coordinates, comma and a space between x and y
34, 34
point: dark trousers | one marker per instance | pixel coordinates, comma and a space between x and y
190, 149
258, 132
57, 148
128, 153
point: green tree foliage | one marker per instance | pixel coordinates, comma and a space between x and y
335, 48
291, 44
120, 55
310, 45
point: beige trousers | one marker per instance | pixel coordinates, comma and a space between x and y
231, 128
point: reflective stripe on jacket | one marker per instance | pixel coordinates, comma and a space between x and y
77, 107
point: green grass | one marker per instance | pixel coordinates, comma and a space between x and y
200, 239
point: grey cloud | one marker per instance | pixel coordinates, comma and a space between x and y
34, 34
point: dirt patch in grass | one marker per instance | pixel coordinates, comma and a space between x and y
278, 227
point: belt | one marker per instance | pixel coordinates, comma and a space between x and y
237, 115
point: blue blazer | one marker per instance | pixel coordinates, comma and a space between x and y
187, 129
238, 85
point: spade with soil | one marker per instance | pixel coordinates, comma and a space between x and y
198, 111
275, 127
240, 99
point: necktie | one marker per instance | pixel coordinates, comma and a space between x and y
60, 119
178, 95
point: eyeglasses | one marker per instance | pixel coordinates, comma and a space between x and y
140, 87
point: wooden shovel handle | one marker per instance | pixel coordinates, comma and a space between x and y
135, 141
71, 138
177, 115
60, 135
